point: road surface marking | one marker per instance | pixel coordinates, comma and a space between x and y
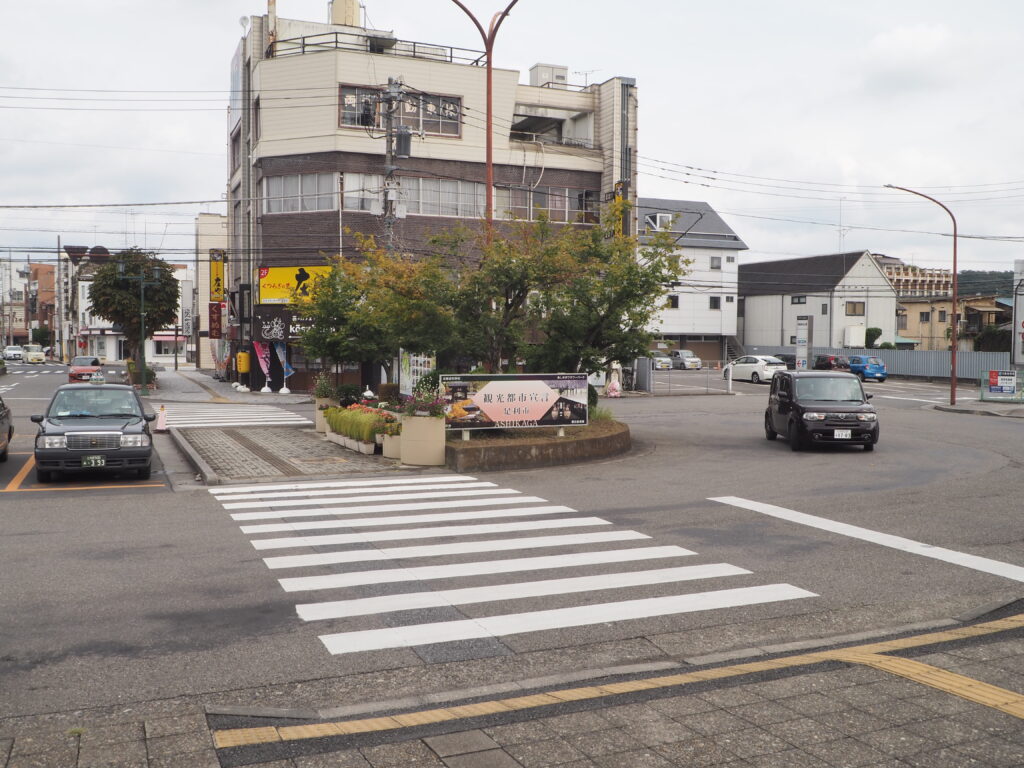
20, 476
424, 533
480, 568
341, 609
372, 522
374, 508
441, 550
558, 618
913, 399
984, 564
222, 491
274, 504
426, 485
859, 655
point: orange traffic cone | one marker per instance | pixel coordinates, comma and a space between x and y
161, 420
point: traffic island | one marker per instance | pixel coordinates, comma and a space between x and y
527, 449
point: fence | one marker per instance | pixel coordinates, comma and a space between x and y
912, 362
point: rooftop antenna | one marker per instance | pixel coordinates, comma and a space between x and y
586, 74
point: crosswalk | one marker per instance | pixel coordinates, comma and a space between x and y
230, 415
382, 563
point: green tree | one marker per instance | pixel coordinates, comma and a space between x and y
115, 294
42, 336
871, 336
992, 339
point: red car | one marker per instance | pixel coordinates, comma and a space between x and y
81, 369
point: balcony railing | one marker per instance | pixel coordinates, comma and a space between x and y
347, 41
546, 138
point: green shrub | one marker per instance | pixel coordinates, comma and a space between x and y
428, 384
600, 413
323, 387
887, 345
348, 394
591, 395
388, 393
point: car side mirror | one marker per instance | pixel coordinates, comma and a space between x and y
149, 416
783, 395
36, 418
868, 395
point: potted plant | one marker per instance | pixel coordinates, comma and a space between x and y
324, 397
423, 430
392, 445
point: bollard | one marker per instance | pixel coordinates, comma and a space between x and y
161, 419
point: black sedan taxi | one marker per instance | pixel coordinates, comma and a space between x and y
6, 429
94, 426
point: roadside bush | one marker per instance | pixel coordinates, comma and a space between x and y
347, 394
591, 395
388, 393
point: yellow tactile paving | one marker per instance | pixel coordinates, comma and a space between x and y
870, 654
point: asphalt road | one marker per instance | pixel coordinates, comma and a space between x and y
113, 595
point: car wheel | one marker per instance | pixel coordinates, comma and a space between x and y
145, 473
869, 446
754, 378
793, 435
42, 475
881, 380
769, 431
7, 447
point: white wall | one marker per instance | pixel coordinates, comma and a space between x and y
694, 315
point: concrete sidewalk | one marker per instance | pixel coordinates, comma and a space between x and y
189, 385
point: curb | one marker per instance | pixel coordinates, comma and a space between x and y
209, 476
978, 411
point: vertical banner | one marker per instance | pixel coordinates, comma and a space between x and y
412, 368
216, 331
282, 355
216, 275
802, 335
263, 355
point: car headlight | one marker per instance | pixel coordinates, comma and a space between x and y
51, 441
134, 441
814, 416
867, 417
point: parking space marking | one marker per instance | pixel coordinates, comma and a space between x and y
14, 486
17, 480
984, 564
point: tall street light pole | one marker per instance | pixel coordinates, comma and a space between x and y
488, 38
954, 338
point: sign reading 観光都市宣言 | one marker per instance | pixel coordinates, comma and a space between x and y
517, 400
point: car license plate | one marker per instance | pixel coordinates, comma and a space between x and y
843, 434
93, 461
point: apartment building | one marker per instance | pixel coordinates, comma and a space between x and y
308, 152
909, 280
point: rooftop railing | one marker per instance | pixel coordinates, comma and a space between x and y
369, 43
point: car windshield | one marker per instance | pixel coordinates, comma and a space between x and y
85, 361
85, 401
33, 348
830, 390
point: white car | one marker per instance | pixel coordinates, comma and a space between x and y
34, 354
659, 362
684, 359
757, 368
13, 353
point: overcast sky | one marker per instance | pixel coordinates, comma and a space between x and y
787, 117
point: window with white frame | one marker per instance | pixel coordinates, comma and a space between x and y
362, 190
562, 204
715, 302
420, 112
658, 222
298, 192
716, 262
797, 299
442, 197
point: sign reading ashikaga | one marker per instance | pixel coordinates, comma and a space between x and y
503, 401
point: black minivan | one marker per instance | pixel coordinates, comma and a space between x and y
810, 407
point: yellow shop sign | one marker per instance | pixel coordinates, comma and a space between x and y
282, 285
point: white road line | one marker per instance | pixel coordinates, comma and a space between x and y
441, 517
276, 503
374, 508
518, 623
221, 491
427, 486
342, 609
460, 548
984, 564
914, 399
425, 533
480, 568
242, 423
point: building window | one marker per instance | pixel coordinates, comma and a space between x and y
797, 299
855, 308
729, 299
658, 222
824, 309
236, 150
942, 315
422, 113
716, 262
300, 192
440, 197
901, 322
730, 259
256, 120
792, 339
714, 302
167, 347
925, 317
673, 302
559, 203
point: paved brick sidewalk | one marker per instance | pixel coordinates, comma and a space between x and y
836, 715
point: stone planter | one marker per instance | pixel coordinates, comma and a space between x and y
392, 446
350, 443
423, 441
366, 448
335, 438
320, 424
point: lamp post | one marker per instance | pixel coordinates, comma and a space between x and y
954, 336
488, 38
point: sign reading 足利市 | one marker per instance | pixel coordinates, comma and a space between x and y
503, 401
282, 285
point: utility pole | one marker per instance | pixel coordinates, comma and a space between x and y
398, 144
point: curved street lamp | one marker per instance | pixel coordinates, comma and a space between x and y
954, 336
488, 38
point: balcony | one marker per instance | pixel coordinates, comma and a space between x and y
382, 43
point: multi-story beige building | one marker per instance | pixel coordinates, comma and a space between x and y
928, 320
909, 280
307, 136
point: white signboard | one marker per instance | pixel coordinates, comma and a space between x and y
802, 332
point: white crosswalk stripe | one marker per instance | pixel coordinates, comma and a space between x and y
182, 415
608, 584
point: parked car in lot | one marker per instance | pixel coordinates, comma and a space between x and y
34, 353
809, 407
659, 361
867, 367
684, 359
13, 353
831, 363
6, 429
93, 426
757, 368
788, 359
82, 368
